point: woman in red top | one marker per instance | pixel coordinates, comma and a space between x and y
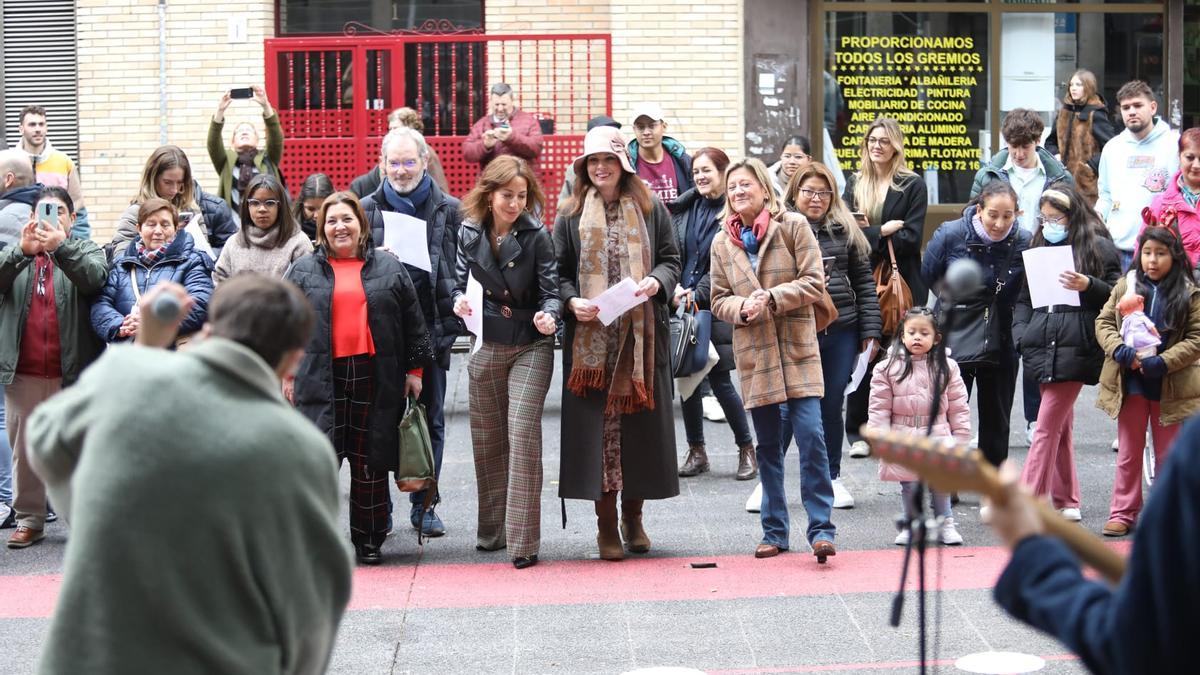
365, 357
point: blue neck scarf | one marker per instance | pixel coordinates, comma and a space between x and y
412, 203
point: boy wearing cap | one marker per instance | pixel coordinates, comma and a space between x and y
658, 159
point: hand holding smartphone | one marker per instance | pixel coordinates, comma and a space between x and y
861, 219
47, 213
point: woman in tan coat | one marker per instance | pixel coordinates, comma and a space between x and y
766, 275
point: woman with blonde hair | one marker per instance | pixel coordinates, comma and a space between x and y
504, 247
892, 200
168, 175
618, 430
766, 274
1080, 132
848, 280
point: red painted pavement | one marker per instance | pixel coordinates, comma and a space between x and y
872, 665
599, 582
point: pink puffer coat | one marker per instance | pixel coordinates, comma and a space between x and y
904, 406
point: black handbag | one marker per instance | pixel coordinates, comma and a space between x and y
976, 336
690, 335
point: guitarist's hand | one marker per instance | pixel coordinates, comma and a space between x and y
1017, 518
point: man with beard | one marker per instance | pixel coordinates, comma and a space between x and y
243, 159
409, 190
1135, 166
52, 166
506, 130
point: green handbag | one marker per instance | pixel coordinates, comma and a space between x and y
414, 466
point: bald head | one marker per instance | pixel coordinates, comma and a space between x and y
16, 169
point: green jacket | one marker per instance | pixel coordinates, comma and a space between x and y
224, 157
1056, 173
80, 270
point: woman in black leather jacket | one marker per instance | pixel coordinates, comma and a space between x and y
504, 247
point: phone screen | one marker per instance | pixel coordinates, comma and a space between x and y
246, 92
47, 211
860, 218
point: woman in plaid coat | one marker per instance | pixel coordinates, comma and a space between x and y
766, 275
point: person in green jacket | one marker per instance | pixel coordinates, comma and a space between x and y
243, 159
46, 340
258, 579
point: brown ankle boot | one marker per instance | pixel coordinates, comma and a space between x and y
747, 463
696, 462
631, 526
608, 538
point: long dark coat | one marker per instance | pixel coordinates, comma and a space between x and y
647, 437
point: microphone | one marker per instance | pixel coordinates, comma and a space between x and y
963, 279
166, 308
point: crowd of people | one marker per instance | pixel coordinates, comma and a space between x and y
787, 257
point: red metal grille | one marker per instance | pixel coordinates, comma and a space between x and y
334, 94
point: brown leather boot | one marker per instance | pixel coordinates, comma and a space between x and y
747, 463
696, 462
608, 538
631, 526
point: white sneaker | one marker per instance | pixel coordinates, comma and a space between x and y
754, 503
1116, 444
901, 538
842, 499
1071, 514
975, 441
860, 449
1029, 429
950, 535
985, 514
712, 409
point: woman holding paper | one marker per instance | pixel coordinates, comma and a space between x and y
618, 430
504, 247
1058, 342
766, 274
367, 353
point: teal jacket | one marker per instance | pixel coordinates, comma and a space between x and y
678, 153
80, 270
1056, 173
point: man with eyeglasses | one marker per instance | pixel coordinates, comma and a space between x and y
658, 159
243, 159
505, 130
408, 189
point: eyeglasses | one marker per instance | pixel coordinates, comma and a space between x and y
820, 195
409, 164
882, 141
263, 203
1042, 220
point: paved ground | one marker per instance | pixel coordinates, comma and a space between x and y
446, 608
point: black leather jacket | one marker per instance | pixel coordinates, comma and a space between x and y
517, 285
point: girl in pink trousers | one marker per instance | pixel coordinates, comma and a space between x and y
901, 393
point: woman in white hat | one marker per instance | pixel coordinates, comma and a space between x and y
618, 429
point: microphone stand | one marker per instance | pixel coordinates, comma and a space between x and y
918, 525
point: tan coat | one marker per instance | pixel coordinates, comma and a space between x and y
777, 356
1181, 386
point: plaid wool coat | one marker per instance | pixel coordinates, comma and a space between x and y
777, 355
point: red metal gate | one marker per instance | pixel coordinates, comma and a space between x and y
333, 95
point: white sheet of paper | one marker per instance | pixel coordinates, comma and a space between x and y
1042, 267
405, 236
617, 300
474, 320
860, 369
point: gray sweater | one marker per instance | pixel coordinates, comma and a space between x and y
197, 545
237, 257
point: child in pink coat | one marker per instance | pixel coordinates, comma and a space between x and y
901, 392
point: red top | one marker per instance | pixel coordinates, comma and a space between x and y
351, 332
41, 351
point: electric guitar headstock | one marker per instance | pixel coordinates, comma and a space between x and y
946, 465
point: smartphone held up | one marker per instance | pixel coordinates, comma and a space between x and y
242, 92
47, 212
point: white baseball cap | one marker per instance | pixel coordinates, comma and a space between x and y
651, 110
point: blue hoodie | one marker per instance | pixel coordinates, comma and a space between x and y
1132, 173
15, 207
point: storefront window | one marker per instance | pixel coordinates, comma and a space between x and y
926, 70
298, 17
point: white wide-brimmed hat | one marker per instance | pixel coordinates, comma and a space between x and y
604, 140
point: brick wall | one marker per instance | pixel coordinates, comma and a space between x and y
687, 57
119, 95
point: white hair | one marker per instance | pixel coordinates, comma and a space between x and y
405, 132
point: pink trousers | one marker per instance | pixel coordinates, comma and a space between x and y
1136, 413
1050, 465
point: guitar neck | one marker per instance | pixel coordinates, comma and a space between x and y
1090, 549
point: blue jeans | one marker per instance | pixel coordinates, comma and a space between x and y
6, 457
433, 397
731, 403
816, 490
839, 350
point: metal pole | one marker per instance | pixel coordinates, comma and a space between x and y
162, 71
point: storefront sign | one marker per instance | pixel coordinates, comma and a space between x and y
924, 82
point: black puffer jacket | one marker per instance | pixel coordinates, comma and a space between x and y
435, 288
521, 282
397, 330
850, 284
1060, 345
